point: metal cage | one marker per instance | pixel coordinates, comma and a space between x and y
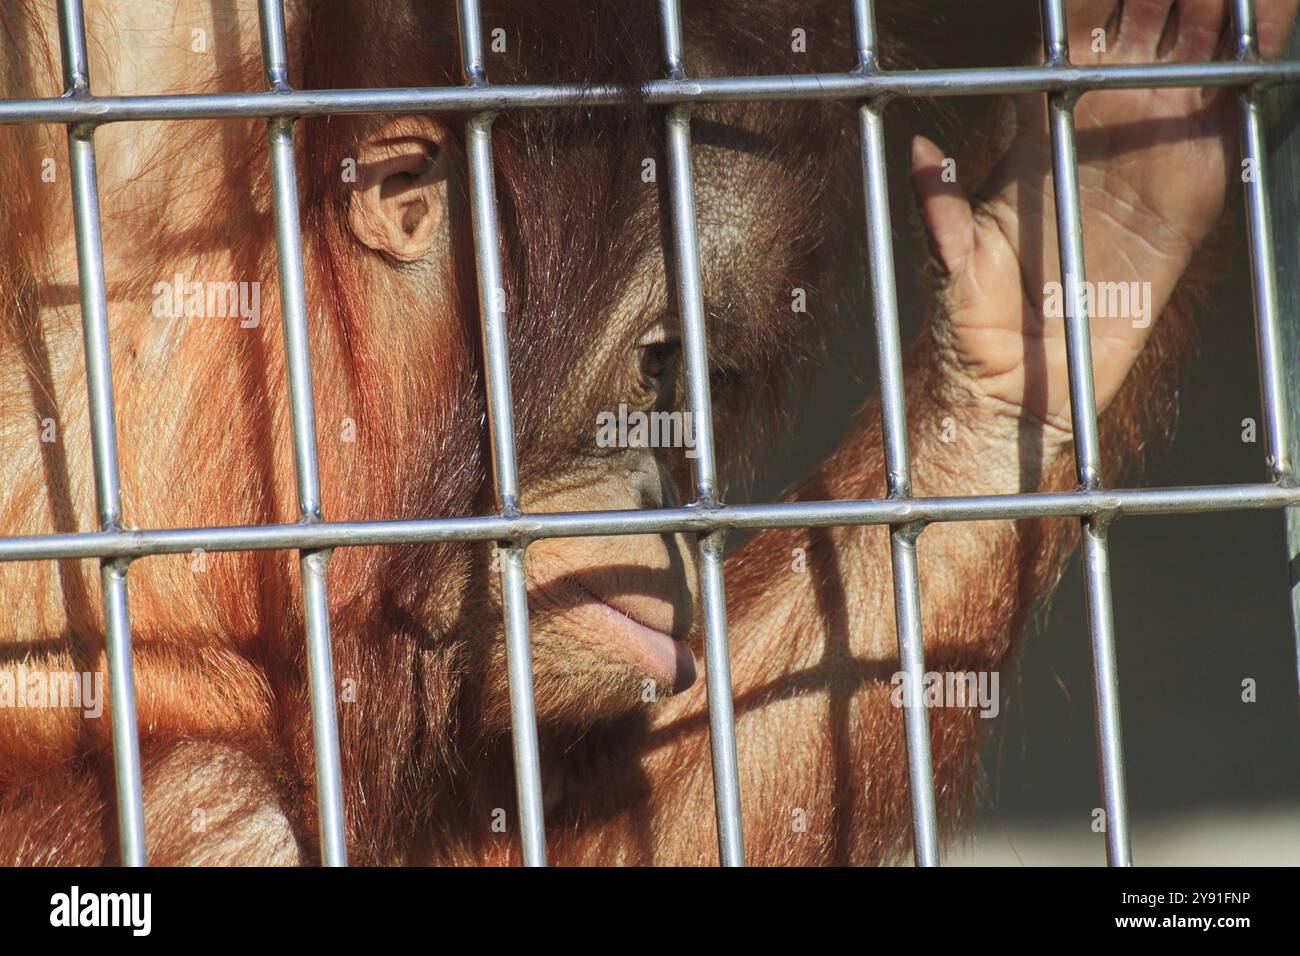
1095, 506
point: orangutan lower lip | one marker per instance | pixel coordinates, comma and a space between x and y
665, 657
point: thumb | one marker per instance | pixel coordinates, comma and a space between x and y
945, 210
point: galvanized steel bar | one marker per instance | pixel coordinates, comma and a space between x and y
986, 81
313, 563
1277, 344
898, 467
690, 303
496, 362
140, 543
103, 441
1279, 108
1087, 444
1259, 232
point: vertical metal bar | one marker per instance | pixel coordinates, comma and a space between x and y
1268, 333
690, 300
126, 737
275, 46
1275, 344
1279, 107
312, 564
1083, 406
501, 426
902, 538
103, 440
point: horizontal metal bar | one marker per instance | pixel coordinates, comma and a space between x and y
811, 86
137, 543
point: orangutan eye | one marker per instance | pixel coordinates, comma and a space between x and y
658, 359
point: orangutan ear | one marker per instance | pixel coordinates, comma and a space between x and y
399, 199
